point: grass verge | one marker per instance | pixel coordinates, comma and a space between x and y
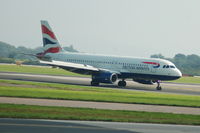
14, 88
192, 80
36, 70
64, 113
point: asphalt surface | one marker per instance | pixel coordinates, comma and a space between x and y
101, 105
190, 89
64, 126
55, 126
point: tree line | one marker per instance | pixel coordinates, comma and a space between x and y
188, 64
11, 54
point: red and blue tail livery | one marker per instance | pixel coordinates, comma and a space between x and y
50, 43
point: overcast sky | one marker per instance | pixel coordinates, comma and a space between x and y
114, 27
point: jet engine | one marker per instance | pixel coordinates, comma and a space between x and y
104, 77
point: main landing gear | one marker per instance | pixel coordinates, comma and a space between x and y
122, 83
94, 83
158, 86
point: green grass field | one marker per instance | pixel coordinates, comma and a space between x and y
16, 88
192, 80
36, 70
66, 113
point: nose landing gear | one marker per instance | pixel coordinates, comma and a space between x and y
158, 85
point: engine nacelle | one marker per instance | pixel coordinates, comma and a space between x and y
104, 77
142, 81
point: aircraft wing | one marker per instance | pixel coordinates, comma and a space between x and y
77, 68
73, 67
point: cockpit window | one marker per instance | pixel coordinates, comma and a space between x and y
172, 66
169, 66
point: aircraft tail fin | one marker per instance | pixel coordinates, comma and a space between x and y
50, 42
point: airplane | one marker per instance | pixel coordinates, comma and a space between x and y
103, 68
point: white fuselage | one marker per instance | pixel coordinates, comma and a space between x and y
128, 66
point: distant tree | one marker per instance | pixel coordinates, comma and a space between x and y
193, 60
158, 56
189, 64
179, 60
6, 50
9, 51
70, 49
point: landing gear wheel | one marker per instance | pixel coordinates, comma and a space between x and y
94, 83
159, 88
122, 83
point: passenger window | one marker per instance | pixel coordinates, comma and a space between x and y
167, 66
164, 66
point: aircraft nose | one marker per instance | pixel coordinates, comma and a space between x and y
178, 73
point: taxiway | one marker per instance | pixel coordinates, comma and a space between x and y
63, 126
189, 89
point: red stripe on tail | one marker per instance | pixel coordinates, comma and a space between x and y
48, 32
53, 50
